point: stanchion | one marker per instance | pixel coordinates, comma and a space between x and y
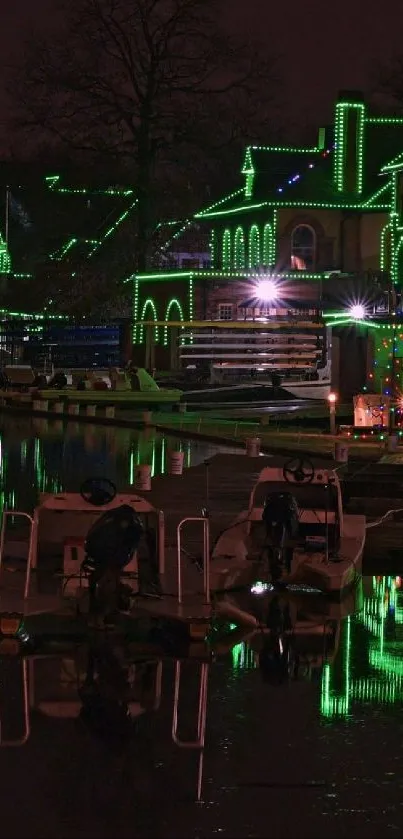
341, 452
253, 446
175, 463
142, 478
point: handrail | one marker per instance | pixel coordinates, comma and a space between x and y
206, 554
27, 725
31, 546
202, 710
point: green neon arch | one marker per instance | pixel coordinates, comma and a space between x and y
148, 304
254, 246
226, 250
172, 303
239, 249
268, 245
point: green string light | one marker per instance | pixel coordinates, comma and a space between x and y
239, 249
226, 250
254, 257
148, 304
173, 304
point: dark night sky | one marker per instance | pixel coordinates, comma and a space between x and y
325, 46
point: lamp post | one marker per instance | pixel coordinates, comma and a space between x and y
332, 399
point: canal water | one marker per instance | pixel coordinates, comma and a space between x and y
318, 753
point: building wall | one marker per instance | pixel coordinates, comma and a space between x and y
371, 227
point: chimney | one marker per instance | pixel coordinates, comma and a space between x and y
349, 143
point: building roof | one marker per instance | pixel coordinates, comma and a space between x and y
281, 176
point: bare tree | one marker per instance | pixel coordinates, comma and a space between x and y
147, 84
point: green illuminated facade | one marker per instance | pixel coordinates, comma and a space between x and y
300, 213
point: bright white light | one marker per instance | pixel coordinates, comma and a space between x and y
266, 290
357, 311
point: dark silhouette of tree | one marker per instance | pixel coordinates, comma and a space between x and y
155, 86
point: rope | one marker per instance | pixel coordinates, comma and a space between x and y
383, 518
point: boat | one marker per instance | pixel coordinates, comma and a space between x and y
294, 530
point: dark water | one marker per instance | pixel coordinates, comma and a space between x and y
318, 755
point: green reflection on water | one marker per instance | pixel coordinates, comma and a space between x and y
378, 652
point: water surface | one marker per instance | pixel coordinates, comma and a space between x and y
317, 755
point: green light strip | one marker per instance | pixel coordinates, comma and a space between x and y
226, 250
254, 257
239, 249
289, 149
148, 304
174, 303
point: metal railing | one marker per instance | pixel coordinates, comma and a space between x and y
31, 558
206, 554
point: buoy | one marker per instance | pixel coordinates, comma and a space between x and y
73, 409
142, 478
91, 410
340, 452
175, 463
253, 446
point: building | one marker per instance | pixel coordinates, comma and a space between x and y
304, 217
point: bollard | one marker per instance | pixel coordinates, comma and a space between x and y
58, 408
147, 417
91, 410
253, 446
110, 411
341, 452
73, 409
175, 463
142, 478
392, 443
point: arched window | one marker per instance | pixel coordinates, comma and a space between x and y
268, 245
226, 251
148, 312
174, 312
254, 247
303, 248
239, 249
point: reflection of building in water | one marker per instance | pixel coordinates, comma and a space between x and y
369, 666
